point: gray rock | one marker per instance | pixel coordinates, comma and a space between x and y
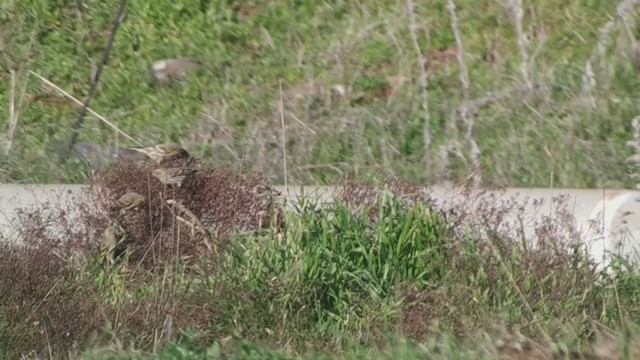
173, 69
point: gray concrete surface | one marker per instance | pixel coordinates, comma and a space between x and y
607, 220
16, 196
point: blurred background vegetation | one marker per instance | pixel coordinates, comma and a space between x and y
569, 131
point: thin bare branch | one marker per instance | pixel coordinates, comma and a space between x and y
467, 117
623, 9
303, 124
423, 82
98, 116
523, 43
193, 222
14, 109
96, 78
634, 145
13, 119
284, 140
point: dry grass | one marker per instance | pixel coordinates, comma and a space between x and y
212, 203
53, 295
517, 96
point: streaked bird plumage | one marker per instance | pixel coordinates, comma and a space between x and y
163, 152
173, 175
110, 240
129, 201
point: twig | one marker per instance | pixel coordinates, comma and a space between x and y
464, 74
634, 145
303, 124
14, 111
323, 166
467, 118
624, 7
46, 334
13, 119
588, 84
284, 140
100, 117
503, 265
476, 105
522, 44
228, 132
193, 222
96, 78
423, 82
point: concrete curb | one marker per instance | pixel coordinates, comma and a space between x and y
606, 220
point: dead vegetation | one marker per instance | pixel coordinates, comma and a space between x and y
57, 294
210, 204
50, 294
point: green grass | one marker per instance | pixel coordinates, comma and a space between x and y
525, 141
446, 349
249, 351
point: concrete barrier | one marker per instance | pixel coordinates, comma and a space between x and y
606, 220
14, 197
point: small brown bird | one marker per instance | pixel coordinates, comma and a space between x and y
163, 152
173, 175
110, 240
129, 201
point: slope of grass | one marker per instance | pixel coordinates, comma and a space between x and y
227, 110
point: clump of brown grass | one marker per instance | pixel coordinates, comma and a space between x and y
44, 304
53, 297
209, 206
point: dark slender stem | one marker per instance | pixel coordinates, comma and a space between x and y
96, 78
